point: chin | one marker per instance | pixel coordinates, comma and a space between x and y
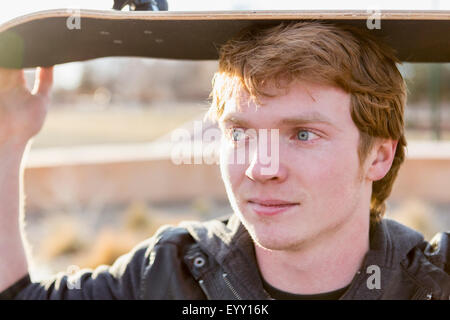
278, 244
275, 238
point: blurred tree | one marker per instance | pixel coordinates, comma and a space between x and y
145, 81
418, 82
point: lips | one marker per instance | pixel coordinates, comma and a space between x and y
270, 207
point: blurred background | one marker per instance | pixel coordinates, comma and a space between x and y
99, 177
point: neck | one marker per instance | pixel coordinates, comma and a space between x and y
326, 263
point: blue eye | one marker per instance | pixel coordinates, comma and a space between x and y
237, 134
303, 135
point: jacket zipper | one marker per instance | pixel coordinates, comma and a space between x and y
227, 282
423, 294
202, 285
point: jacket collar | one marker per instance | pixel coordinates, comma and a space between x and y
390, 243
229, 243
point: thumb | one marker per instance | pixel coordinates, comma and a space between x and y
43, 81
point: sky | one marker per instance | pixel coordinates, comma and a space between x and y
68, 74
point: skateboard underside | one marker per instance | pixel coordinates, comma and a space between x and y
61, 36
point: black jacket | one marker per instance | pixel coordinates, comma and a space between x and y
216, 260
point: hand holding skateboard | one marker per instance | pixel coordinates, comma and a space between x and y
22, 112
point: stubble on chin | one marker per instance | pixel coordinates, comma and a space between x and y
262, 236
291, 243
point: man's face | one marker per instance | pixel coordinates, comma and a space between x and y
316, 186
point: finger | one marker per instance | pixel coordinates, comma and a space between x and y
10, 78
43, 81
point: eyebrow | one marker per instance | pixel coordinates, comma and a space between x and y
307, 118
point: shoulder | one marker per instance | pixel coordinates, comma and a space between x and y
173, 238
165, 273
429, 265
417, 264
142, 255
170, 236
437, 251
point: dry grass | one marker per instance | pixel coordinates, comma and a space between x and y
64, 238
107, 247
73, 240
417, 215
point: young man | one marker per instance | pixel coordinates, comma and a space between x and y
309, 227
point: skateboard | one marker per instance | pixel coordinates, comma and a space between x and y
65, 35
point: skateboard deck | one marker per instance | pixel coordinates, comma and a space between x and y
59, 36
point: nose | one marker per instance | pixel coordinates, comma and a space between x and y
266, 163
262, 173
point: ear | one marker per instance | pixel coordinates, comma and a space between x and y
381, 158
